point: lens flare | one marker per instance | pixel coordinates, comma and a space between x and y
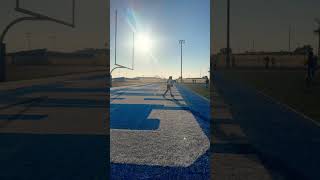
144, 43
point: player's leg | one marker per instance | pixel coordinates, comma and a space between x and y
165, 92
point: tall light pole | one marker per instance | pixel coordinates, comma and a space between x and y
289, 43
228, 34
181, 42
53, 41
28, 40
133, 50
115, 37
253, 45
317, 31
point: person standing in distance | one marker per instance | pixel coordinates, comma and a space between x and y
169, 85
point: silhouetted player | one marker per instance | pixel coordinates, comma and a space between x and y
267, 60
311, 67
207, 81
169, 85
273, 62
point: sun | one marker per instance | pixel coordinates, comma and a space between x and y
143, 42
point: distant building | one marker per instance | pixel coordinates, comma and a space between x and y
256, 59
34, 57
43, 56
194, 80
119, 79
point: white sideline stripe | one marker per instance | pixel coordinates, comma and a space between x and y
289, 108
285, 106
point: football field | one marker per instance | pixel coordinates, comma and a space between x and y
159, 137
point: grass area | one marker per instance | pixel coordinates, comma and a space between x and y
199, 89
287, 86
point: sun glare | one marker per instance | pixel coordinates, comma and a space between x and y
143, 42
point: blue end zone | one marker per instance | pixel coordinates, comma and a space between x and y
133, 117
199, 107
200, 169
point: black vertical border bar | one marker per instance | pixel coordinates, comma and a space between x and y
211, 84
108, 85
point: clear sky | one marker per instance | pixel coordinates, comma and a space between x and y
92, 25
266, 22
159, 25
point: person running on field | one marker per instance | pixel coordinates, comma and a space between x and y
169, 85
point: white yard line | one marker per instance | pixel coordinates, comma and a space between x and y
289, 108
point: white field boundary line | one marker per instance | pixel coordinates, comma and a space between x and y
283, 105
288, 107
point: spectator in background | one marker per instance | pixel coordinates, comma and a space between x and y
233, 61
273, 62
311, 67
315, 66
267, 61
207, 81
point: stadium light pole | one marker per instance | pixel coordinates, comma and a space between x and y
181, 42
115, 37
317, 31
133, 50
28, 40
289, 43
228, 34
53, 41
